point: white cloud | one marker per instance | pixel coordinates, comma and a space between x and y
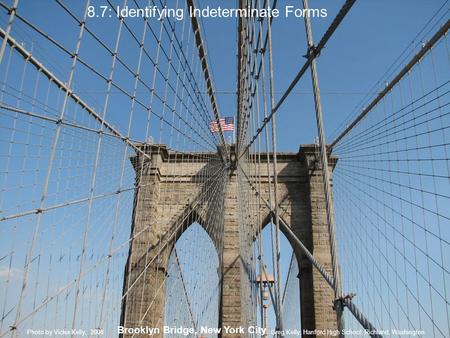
13, 273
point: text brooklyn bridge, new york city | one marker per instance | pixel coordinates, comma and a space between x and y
186, 331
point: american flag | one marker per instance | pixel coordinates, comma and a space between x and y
226, 123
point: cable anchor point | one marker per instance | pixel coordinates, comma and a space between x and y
341, 300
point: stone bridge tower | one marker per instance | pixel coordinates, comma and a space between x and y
302, 205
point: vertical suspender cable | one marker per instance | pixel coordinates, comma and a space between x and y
325, 175
275, 183
8, 28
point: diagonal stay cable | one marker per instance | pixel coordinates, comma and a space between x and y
287, 278
191, 313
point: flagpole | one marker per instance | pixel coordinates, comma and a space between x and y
234, 134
